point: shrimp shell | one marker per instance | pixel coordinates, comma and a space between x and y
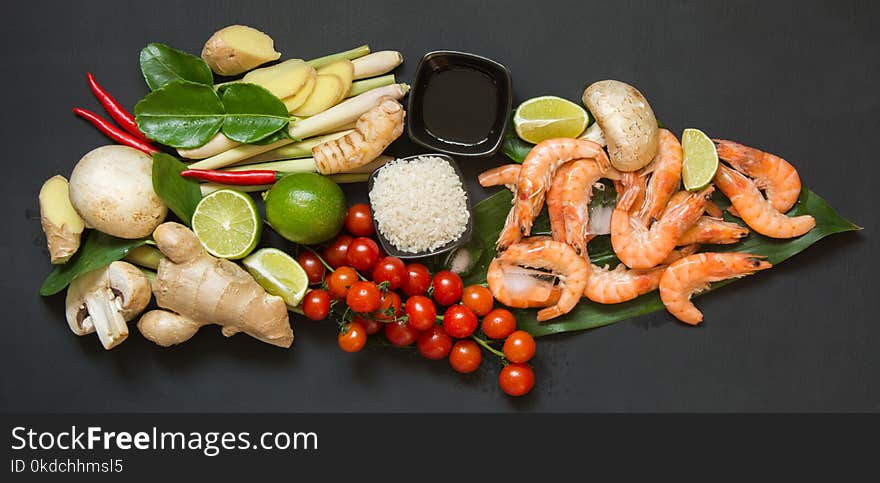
665, 178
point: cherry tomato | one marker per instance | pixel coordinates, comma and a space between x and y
498, 324
447, 287
417, 280
316, 304
519, 346
335, 253
516, 379
465, 356
478, 298
389, 307
313, 267
391, 270
352, 337
358, 220
459, 321
370, 326
340, 281
363, 254
400, 333
435, 343
421, 312
363, 297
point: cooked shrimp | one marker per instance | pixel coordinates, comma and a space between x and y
559, 259
692, 274
554, 202
642, 247
568, 202
757, 211
622, 284
535, 177
502, 175
664, 179
522, 288
713, 231
772, 174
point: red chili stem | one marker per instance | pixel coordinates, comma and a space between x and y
115, 109
114, 132
238, 178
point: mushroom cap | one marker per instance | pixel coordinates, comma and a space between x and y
627, 122
111, 188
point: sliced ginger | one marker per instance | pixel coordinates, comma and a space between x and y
295, 101
323, 97
343, 69
61, 223
238, 48
282, 80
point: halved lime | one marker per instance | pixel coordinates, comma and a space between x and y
227, 223
279, 274
700, 159
548, 117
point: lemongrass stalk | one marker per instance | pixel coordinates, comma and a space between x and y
302, 149
237, 154
346, 112
145, 256
151, 275
341, 178
361, 86
307, 165
216, 145
377, 63
348, 54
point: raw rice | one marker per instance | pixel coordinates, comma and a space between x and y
419, 204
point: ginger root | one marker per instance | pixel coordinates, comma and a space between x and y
61, 223
238, 48
197, 289
374, 131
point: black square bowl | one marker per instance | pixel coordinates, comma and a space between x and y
393, 251
438, 61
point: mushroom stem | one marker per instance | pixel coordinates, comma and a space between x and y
105, 317
594, 133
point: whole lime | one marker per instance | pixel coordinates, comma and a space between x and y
305, 208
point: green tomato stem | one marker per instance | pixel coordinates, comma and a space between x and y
488, 347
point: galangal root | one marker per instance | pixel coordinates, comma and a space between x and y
196, 289
374, 131
61, 223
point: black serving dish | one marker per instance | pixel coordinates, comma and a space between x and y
437, 62
393, 251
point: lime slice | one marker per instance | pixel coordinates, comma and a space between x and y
548, 117
227, 224
279, 274
700, 159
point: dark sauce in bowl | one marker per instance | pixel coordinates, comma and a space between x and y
460, 105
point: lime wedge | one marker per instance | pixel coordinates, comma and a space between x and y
548, 117
279, 274
700, 159
227, 224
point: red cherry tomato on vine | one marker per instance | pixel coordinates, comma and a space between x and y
370, 326
389, 307
519, 347
363, 297
359, 220
421, 312
417, 280
352, 337
311, 265
400, 334
340, 281
465, 356
516, 379
363, 253
459, 321
391, 270
447, 287
334, 254
435, 343
316, 304
498, 324
478, 298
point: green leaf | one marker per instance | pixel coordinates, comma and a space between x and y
274, 137
182, 195
252, 112
99, 250
489, 216
514, 147
180, 114
161, 65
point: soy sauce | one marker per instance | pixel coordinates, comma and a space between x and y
460, 105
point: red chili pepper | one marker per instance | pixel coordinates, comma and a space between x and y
114, 132
238, 178
116, 111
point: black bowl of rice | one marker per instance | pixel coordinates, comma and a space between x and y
420, 206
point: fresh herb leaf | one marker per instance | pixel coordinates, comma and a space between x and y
182, 195
161, 65
514, 147
252, 112
99, 250
274, 137
180, 114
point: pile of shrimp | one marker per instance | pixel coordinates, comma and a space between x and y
656, 227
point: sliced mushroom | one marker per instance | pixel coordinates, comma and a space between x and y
627, 123
103, 300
